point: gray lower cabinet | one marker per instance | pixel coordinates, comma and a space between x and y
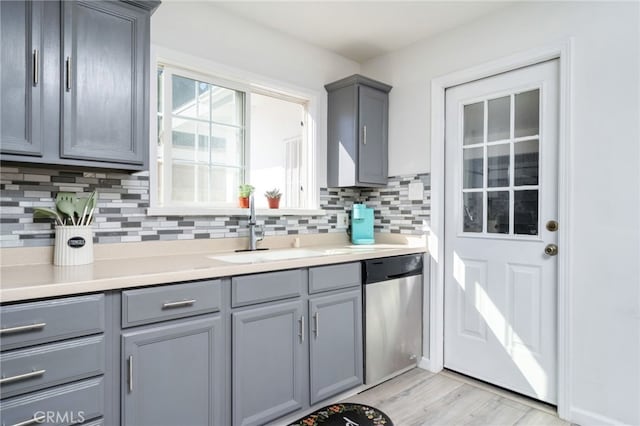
268, 352
53, 360
20, 80
357, 132
63, 405
335, 343
173, 374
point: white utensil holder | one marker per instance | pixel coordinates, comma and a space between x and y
74, 245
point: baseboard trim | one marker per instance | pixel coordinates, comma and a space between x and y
589, 418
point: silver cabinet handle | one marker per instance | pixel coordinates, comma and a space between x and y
178, 304
364, 136
24, 376
130, 373
32, 421
316, 321
301, 334
18, 329
68, 76
36, 67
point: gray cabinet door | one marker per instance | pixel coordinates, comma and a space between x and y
174, 374
335, 343
21, 77
267, 357
103, 93
342, 137
373, 152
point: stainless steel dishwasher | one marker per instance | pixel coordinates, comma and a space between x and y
393, 316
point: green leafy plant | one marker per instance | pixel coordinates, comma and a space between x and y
245, 190
273, 194
70, 210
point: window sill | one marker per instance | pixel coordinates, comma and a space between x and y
230, 211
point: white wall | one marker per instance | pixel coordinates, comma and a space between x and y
605, 179
201, 29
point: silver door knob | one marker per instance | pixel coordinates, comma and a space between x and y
551, 250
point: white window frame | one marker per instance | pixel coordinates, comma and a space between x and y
217, 74
170, 70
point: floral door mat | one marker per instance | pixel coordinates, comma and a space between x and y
345, 415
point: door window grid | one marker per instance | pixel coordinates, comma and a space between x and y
477, 191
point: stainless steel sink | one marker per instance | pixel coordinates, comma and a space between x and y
267, 256
294, 253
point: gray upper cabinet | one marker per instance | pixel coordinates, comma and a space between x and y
173, 374
80, 77
267, 358
20, 77
335, 344
103, 96
357, 132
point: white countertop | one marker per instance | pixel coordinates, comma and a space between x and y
119, 266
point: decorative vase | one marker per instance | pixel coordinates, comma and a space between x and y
73, 246
274, 203
243, 202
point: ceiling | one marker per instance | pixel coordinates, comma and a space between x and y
361, 30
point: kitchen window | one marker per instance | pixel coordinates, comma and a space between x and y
214, 135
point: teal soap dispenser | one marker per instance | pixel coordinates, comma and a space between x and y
362, 224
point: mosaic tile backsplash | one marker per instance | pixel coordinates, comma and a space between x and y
121, 214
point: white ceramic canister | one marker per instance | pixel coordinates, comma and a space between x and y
74, 245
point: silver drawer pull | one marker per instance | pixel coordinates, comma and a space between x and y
178, 304
130, 374
32, 421
29, 327
24, 376
301, 334
68, 74
36, 67
316, 320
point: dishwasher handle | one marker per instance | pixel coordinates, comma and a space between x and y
403, 275
377, 270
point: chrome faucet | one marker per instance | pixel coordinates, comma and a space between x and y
253, 238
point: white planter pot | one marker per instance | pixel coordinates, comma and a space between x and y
74, 245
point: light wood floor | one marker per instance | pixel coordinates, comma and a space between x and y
419, 397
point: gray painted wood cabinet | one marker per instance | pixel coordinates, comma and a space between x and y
53, 360
357, 132
287, 351
91, 100
335, 343
268, 377
173, 374
21, 77
103, 95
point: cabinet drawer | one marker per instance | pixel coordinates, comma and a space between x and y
250, 289
26, 370
33, 323
147, 305
63, 405
331, 277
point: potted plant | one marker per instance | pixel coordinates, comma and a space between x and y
273, 198
245, 191
74, 236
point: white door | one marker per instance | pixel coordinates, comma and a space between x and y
500, 208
